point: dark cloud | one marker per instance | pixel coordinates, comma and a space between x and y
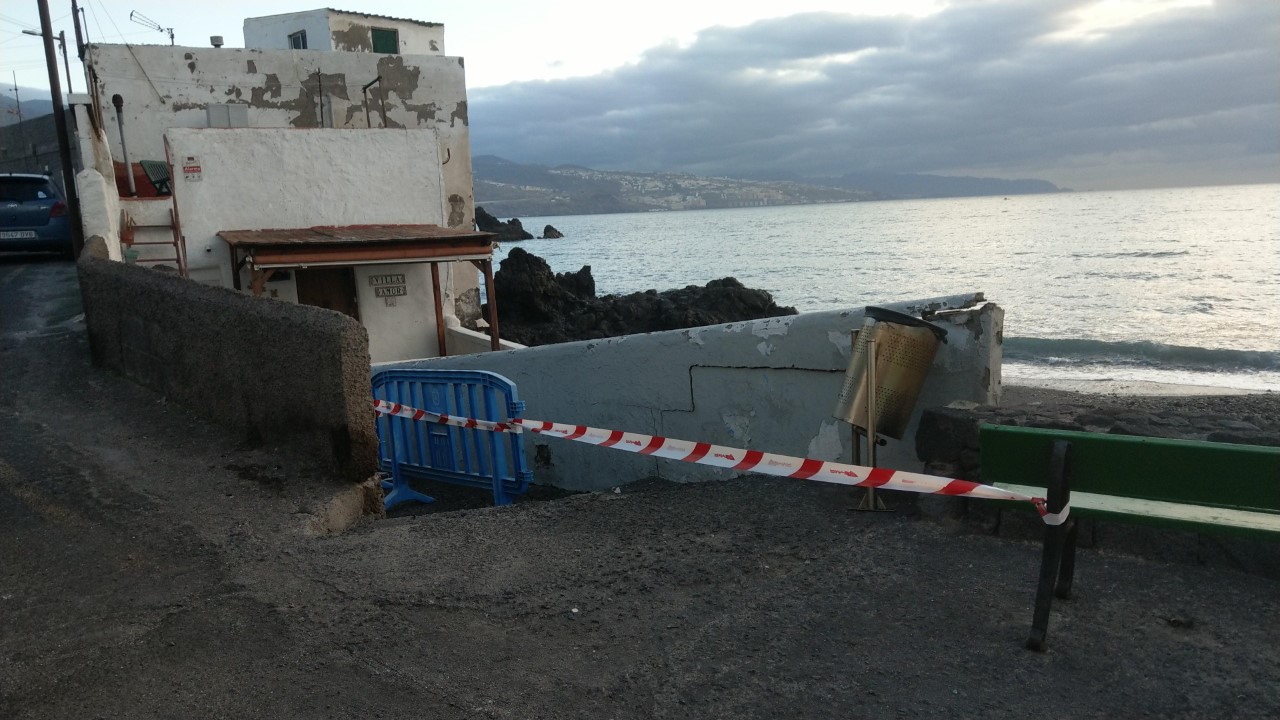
1185, 96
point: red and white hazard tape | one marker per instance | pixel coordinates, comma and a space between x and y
736, 458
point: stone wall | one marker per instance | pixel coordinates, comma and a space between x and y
275, 372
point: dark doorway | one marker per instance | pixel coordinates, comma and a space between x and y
332, 288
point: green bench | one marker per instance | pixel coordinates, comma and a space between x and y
1184, 484
158, 173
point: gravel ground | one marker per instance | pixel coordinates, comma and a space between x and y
1263, 407
152, 567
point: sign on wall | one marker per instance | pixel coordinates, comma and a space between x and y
191, 171
389, 287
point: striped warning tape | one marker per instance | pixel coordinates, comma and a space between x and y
735, 458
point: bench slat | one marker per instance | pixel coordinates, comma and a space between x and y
1160, 510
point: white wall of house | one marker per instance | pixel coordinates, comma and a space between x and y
253, 179
768, 385
407, 328
170, 87
273, 31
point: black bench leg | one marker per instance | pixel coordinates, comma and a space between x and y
1067, 570
1056, 538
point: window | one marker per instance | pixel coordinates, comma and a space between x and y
298, 40
386, 41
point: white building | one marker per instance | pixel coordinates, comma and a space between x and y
357, 138
342, 31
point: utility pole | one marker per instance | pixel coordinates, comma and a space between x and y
22, 129
75, 16
60, 122
62, 43
16, 99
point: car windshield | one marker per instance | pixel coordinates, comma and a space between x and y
25, 189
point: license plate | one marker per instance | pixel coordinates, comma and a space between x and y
16, 234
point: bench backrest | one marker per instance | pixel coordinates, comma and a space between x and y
1182, 471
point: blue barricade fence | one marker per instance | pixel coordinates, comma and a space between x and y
463, 456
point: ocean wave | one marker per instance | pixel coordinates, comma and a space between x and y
1136, 254
1096, 353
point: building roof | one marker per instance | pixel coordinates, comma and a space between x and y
358, 244
340, 234
386, 17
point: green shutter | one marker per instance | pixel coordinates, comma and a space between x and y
386, 41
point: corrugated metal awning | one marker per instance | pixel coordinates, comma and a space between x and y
327, 234
357, 245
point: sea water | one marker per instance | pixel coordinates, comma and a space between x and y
1171, 286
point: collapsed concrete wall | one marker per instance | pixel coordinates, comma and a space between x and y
768, 385
275, 372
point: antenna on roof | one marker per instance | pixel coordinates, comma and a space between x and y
147, 22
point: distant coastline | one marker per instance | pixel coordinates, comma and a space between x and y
511, 189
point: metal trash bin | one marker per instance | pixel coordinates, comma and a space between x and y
906, 347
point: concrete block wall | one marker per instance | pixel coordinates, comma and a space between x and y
272, 371
768, 385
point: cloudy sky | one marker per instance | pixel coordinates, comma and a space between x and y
1086, 94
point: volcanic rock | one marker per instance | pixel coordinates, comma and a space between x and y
550, 233
539, 307
506, 231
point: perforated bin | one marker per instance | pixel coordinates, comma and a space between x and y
905, 348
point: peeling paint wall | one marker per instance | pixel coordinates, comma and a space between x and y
351, 33
332, 30
715, 384
170, 87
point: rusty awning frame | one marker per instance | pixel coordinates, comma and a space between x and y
265, 251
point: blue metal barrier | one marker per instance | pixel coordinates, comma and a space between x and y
414, 449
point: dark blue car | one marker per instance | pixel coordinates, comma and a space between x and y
33, 215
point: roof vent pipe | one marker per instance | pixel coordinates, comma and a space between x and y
118, 101
215, 40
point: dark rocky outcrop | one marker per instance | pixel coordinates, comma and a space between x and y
506, 231
539, 307
550, 233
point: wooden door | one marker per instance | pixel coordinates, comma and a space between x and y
332, 288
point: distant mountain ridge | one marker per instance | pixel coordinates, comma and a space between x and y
33, 105
510, 189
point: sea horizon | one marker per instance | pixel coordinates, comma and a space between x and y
1179, 286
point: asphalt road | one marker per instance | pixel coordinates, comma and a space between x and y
152, 567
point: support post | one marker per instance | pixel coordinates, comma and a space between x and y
493, 305
60, 122
1055, 538
435, 296
75, 17
236, 265
869, 501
